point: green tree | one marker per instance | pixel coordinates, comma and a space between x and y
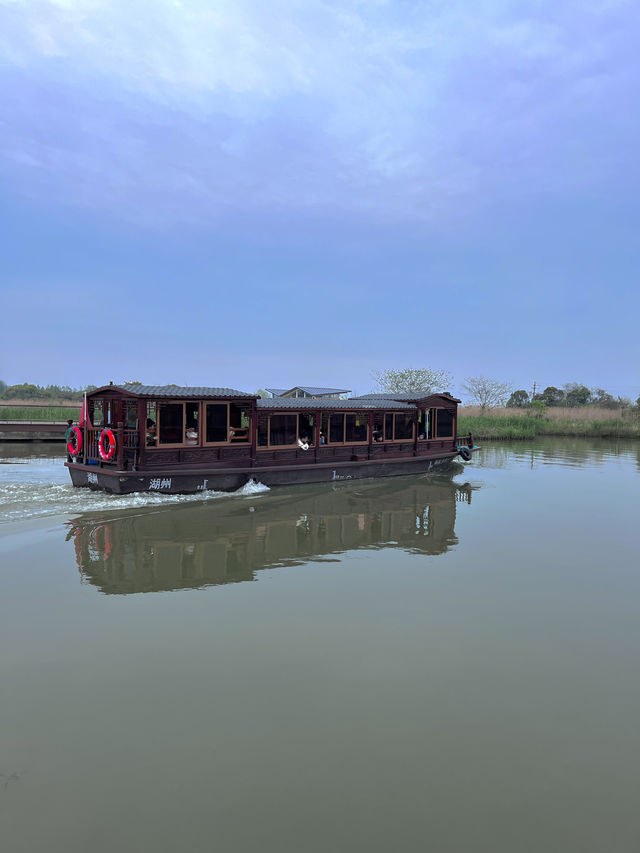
538, 408
518, 400
577, 395
551, 396
24, 391
486, 393
412, 380
602, 398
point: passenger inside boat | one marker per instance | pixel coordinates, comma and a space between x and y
151, 433
423, 425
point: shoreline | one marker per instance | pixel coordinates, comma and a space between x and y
493, 427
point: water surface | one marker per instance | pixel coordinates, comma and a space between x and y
444, 663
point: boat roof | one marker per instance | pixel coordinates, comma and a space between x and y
354, 404
198, 391
366, 401
406, 397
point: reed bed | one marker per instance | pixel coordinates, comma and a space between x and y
559, 413
520, 424
46, 413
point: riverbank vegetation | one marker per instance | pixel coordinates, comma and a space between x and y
573, 410
40, 413
25, 392
587, 422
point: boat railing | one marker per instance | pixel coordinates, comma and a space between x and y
127, 442
465, 440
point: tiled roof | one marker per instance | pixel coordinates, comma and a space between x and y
316, 392
320, 391
182, 391
380, 395
320, 403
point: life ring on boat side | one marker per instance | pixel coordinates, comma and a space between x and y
465, 452
107, 455
74, 445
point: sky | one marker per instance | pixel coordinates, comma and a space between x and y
245, 194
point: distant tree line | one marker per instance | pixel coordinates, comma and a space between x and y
572, 395
491, 393
27, 391
487, 393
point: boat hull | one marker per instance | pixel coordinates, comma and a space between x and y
183, 481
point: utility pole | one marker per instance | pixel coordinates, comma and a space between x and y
533, 395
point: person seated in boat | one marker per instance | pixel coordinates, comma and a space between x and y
191, 435
151, 433
303, 442
377, 434
323, 439
422, 435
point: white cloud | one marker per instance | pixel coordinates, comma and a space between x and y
388, 108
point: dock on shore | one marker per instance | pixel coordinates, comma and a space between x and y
32, 430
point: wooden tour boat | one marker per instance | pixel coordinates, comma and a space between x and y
170, 439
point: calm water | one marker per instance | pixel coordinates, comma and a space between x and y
439, 663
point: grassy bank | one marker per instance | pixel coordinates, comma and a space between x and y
46, 413
586, 423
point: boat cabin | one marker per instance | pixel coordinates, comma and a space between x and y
158, 426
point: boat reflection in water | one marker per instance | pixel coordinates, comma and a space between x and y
229, 540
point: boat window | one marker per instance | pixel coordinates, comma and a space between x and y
423, 424
131, 414
239, 423
96, 413
444, 424
324, 428
228, 422
432, 423
191, 416
356, 427
336, 429
403, 428
305, 427
398, 426
345, 428
217, 423
283, 429
170, 424
388, 426
263, 430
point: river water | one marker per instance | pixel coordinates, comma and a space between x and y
444, 663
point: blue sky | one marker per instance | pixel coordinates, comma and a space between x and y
247, 194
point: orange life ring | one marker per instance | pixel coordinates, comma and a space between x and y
74, 445
107, 455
